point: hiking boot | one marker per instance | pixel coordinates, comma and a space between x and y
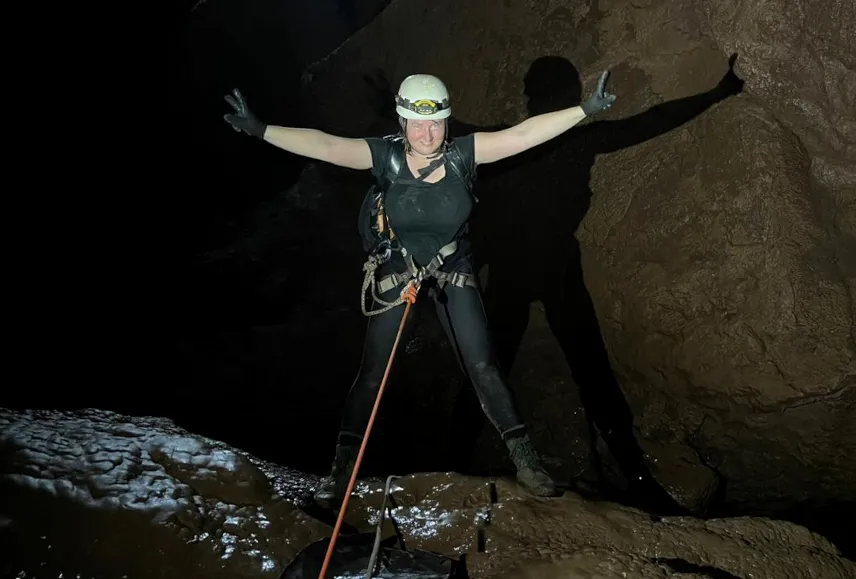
332, 489
530, 473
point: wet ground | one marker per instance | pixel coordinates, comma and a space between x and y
95, 494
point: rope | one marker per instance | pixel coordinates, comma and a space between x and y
370, 266
408, 296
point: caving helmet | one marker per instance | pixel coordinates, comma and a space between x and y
423, 96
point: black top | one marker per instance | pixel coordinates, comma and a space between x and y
427, 216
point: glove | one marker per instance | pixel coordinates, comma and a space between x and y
600, 100
244, 120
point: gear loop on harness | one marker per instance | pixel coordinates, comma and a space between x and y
370, 266
415, 275
408, 293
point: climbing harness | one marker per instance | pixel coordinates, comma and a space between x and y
415, 274
380, 240
408, 297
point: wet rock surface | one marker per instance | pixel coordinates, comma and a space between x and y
603, 539
97, 494
689, 228
116, 496
704, 238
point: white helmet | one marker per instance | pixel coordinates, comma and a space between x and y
423, 96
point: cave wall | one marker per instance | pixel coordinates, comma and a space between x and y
718, 254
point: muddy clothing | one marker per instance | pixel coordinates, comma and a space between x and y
426, 216
462, 316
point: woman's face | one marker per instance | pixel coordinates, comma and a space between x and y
425, 136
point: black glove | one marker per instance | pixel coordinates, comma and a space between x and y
245, 120
600, 100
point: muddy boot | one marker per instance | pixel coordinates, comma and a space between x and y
332, 489
530, 473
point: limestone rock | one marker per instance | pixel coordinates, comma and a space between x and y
526, 536
107, 495
797, 58
98, 494
726, 320
680, 470
716, 249
718, 261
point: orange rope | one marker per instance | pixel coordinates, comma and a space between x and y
409, 297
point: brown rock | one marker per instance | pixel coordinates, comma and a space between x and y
83, 496
683, 473
726, 320
526, 536
718, 253
797, 59
100, 494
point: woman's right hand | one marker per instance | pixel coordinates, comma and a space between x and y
244, 119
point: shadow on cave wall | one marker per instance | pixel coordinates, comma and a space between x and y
531, 206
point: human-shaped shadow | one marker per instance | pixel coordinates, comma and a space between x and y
531, 207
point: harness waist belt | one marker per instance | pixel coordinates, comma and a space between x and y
431, 270
456, 278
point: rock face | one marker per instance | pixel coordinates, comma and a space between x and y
114, 496
98, 494
714, 237
727, 321
670, 283
797, 60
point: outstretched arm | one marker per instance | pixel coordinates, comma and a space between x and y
312, 143
662, 118
315, 144
494, 146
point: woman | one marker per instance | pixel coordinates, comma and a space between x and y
427, 207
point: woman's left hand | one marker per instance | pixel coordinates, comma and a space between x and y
600, 100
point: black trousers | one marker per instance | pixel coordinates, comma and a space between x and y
462, 315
